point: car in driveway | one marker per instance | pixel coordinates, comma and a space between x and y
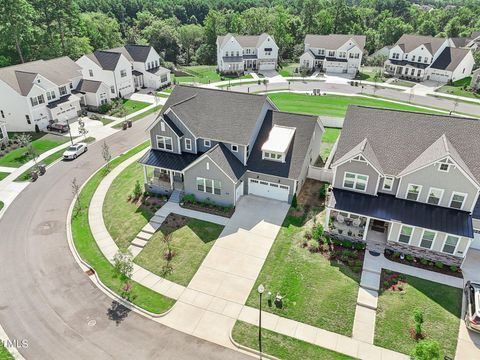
472, 298
58, 127
75, 151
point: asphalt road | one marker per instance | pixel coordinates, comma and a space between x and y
46, 299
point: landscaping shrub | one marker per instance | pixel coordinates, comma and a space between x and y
359, 246
396, 254
347, 243
308, 235
418, 321
439, 264
103, 109
137, 190
409, 258
189, 199
313, 245
294, 201
424, 261
426, 350
454, 268
322, 192
317, 232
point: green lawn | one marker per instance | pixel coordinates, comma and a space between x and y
204, 74
315, 291
457, 88
140, 116
191, 244
159, 94
4, 353
369, 75
42, 142
334, 105
1, 205
3, 175
89, 251
289, 70
441, 307
125, 219
281, 346
328, 140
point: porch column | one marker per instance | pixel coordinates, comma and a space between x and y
171, 179
145, 174
367, 225
327, 220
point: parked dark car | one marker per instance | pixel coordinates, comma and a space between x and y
58, 127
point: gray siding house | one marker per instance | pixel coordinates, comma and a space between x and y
407, 181
220, 145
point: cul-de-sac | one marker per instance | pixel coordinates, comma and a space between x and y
216, 180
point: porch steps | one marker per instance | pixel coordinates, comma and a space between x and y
370, 280
142, 235
175, 197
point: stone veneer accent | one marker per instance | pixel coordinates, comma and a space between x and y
424, 253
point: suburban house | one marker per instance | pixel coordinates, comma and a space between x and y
420, 58
471, 42
333, 53
146, 69
475, 83
239, 53
111, 68
95, 93
219, 145
37, 93
408, 181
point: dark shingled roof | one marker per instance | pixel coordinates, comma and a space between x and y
172, 125
227, 161
136, 73
334, 41
138, 53
226, 116
167, 160
90, 86
414, 64
399, 137
449, 59
304, 129
107, 60
388, 207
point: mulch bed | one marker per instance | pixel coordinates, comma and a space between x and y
429, 266
149, 202
390, 280
226, 212
174, 222
340, 254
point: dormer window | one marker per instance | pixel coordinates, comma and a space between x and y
234, 148
272, 156
207, 143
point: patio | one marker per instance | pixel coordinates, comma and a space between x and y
345, 224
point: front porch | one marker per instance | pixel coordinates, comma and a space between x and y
162, 181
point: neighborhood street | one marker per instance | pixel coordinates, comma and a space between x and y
46, 299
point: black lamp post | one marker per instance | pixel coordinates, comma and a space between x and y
260, 289
69, 132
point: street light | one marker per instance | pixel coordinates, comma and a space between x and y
260, 290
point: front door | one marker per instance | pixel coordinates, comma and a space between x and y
378, 226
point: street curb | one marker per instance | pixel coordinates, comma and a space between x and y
13, 350
85, 266
249, 350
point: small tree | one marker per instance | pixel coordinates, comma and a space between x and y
167, 240
137, 191
76, 195
123, 263
418, 321
107, 156
303, 71
426, 350
377, 76
82, 130
25, 140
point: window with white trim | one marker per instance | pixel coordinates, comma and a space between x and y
388, 183
450, 244
434, 196
209, 186
355, 181
123, 73
90, 72
269, 155
162, 126
405, 234
62, 90
444, 165
458, 200
207, 143
164, 143
188, 144
427, 239
413, 192
234, 148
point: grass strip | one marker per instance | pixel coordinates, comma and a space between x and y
140, 116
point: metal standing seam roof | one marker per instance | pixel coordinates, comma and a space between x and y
418, 65
167, 160
391, 208
413, 134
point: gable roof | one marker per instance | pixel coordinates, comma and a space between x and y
460, 41
409, 42
449, 59
90, 86
244, 40
133, 52
227, 161
107, 60
297, 152
226, 116
366, 150
334, 41
414, 134
20, 77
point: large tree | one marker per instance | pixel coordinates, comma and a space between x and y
102, 30
190, 37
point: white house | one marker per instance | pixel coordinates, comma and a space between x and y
146, 68
422, 58
38, 93
333, 53
95, 93
239, 53
111, 68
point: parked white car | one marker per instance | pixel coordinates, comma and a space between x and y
74, 151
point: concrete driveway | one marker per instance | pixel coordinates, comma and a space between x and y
468, 346
213, 300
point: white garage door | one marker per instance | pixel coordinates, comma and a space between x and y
268, 189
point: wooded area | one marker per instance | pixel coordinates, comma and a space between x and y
185, 31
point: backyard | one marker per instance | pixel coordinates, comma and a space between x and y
281, 346
315, 290
334, 105
203, 74
191, 241
441, 307
328, 140
459, 88
41, 142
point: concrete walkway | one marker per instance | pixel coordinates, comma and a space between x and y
7, 169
